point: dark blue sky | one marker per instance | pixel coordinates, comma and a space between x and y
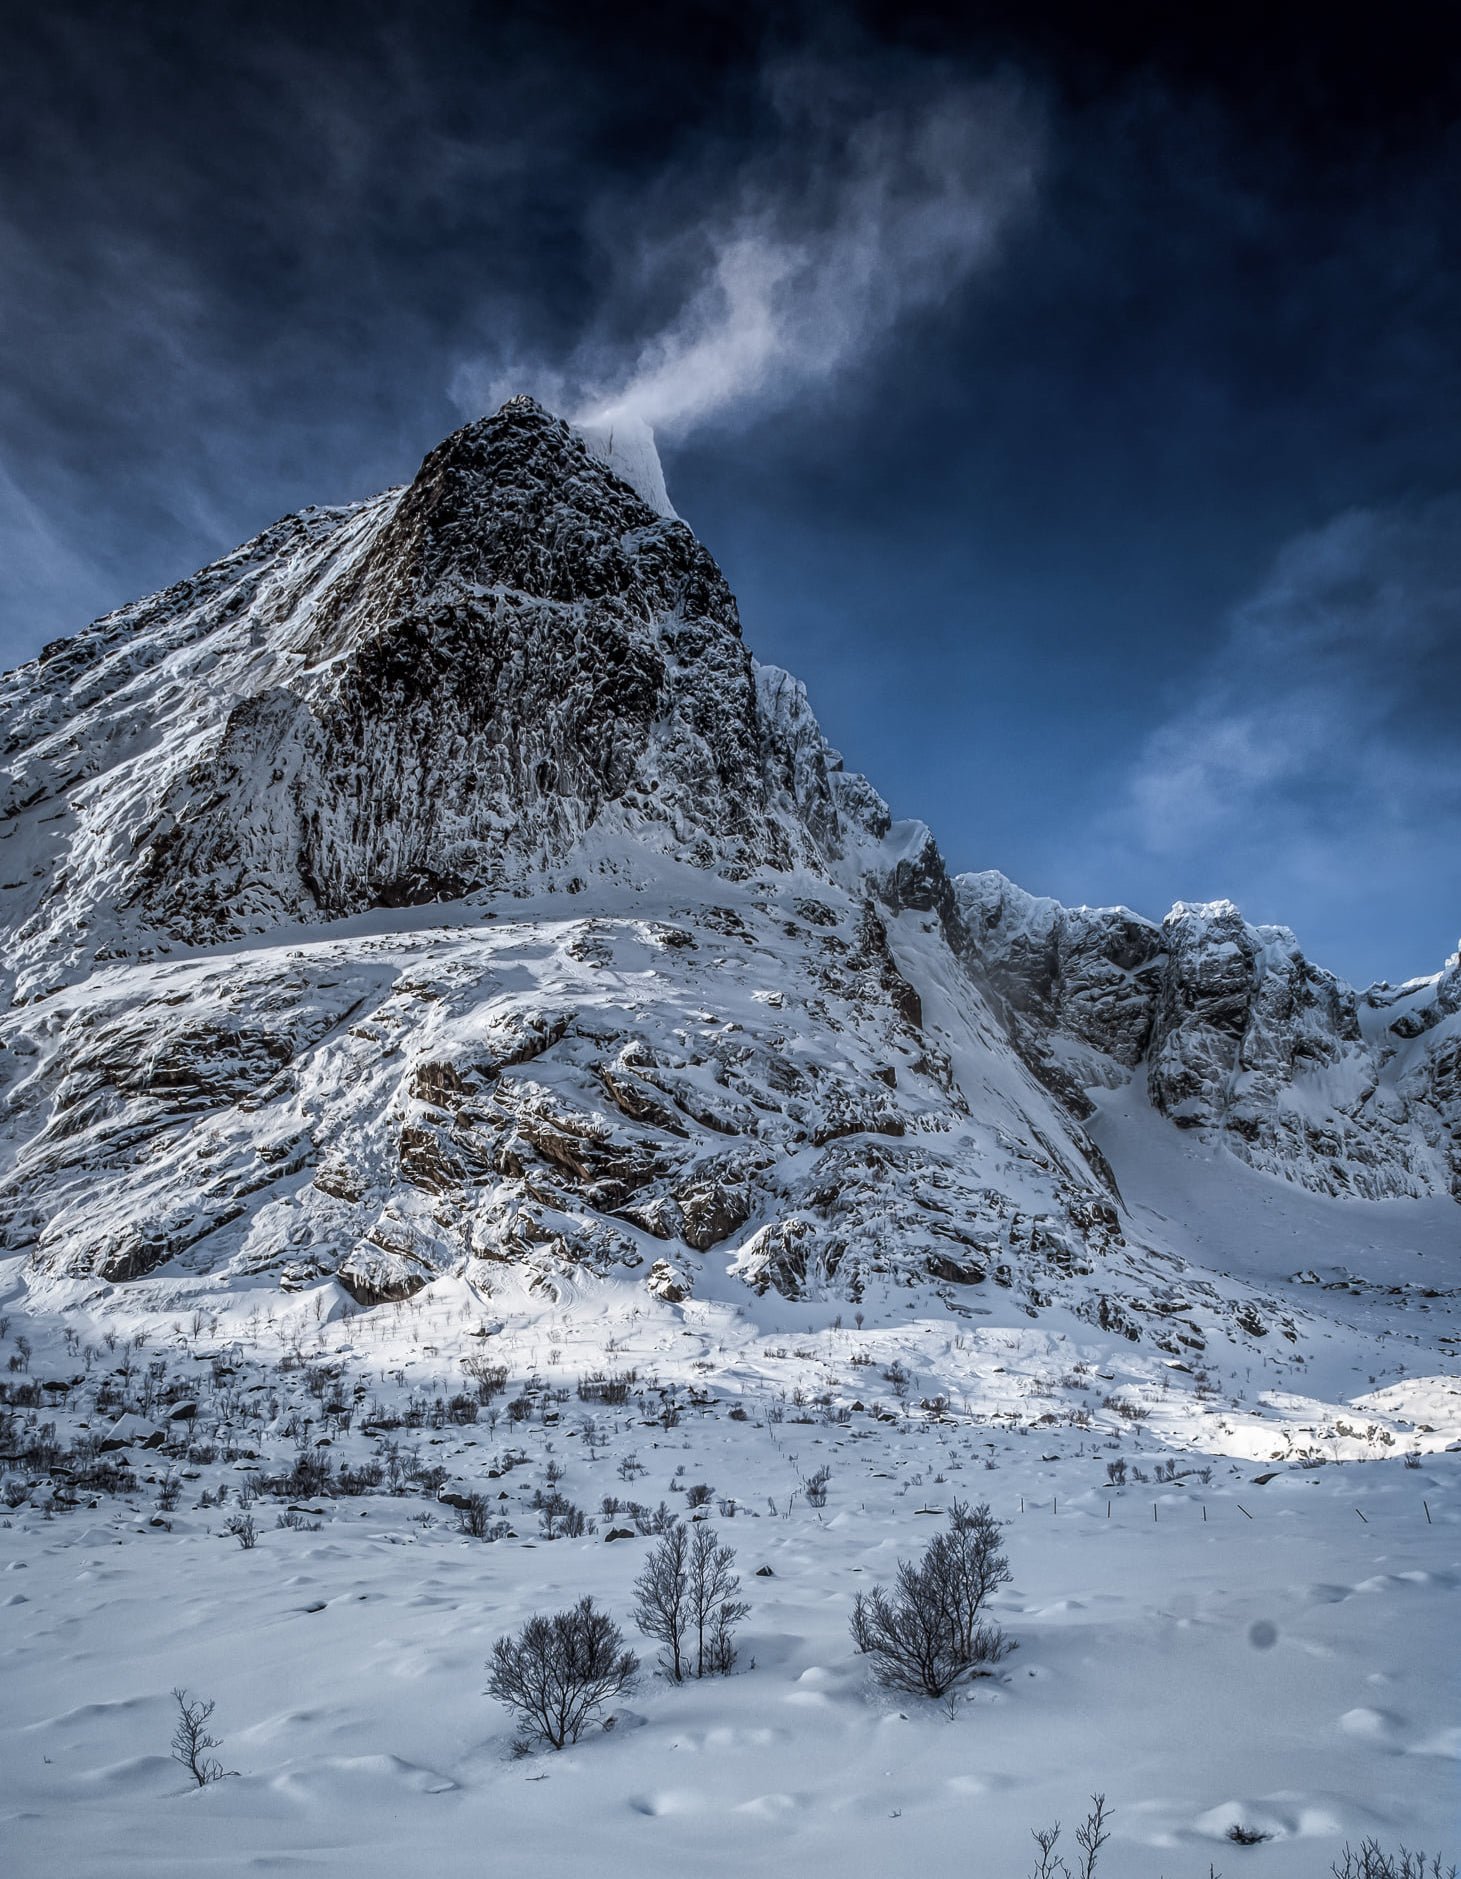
1073, 405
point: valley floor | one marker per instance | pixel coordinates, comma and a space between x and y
1207, 1650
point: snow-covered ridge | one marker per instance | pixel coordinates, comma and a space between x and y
1234, 1032
438, 883
626, 444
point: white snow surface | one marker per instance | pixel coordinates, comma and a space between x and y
1208, 1651
685, 1063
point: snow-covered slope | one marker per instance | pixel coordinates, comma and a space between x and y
663, 1028
438, 884
1234, 1032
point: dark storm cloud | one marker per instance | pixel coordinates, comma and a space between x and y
237, 264
998, 363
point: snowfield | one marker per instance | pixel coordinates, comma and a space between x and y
1235, 1646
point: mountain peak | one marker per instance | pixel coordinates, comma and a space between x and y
512, 666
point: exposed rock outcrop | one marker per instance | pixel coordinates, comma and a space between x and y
1233, 1031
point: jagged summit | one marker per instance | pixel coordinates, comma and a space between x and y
437, 884
1232, 1031
454, 688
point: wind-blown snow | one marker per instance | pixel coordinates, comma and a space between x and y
626, 444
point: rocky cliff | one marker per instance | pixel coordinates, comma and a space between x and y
438, 884
1233, 1032
440, 881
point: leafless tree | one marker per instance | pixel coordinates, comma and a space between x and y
191, 1740
662, 1598
558, 1671
927, 1632
715, 1608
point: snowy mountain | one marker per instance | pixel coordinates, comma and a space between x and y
438, 884
473, 1058
1233, 1033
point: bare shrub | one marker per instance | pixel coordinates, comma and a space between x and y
1370, 1861
605, 1387
925, 1634
1090, 1837
687, 1599
558, 1671
815, 1487
662, 1599
191, 1740
475, 1519
715, 1607
242, 1527
490, 1378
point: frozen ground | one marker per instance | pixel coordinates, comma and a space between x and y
1208, 1651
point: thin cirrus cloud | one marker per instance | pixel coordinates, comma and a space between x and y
1315, 766
860, 209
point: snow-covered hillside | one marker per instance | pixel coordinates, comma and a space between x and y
439, 880
433, 942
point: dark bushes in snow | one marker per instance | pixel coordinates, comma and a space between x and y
558, 1671
925, 1633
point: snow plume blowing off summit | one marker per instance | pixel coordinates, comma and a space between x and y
861, 208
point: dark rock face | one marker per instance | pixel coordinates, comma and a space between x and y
1241, 1013
1234, 1032
1091, 974
524, 649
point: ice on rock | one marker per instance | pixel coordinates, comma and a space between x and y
626, 444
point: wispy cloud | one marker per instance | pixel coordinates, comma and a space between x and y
864, 203
1315, 763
